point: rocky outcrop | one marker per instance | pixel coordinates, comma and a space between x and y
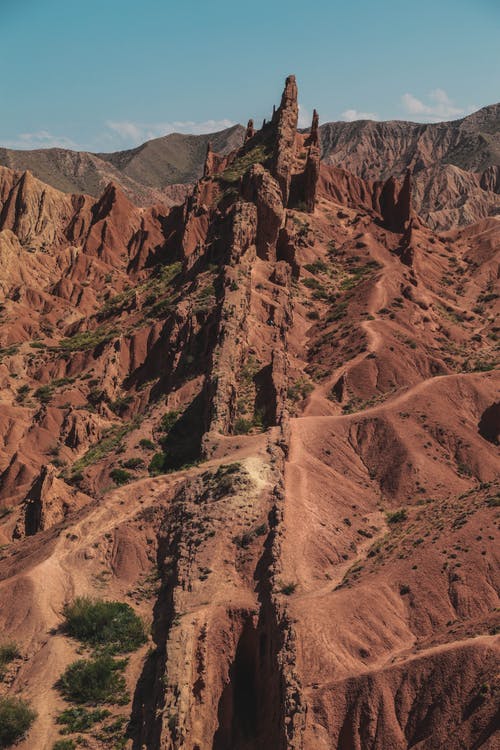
489, 424
250, 131
260, 188
230, 346
490, 179
214, 163
312, 168
36, 213
394, 202
48, 502
285, 123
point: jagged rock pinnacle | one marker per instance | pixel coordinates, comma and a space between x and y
250, 131
286, 118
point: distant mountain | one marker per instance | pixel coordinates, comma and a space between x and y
455, 164
375, 150
146, 173
175, 158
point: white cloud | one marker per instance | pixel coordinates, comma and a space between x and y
134, 133
40, 139
352, 114
117, 134
305, 117
439, 107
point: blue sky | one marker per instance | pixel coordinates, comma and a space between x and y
109, 74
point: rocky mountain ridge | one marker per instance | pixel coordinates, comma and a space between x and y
455, 164
267, 419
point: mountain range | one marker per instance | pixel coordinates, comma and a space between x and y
250, 427
455, 164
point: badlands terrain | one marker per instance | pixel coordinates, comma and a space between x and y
249, 388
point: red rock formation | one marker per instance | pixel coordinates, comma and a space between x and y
312, 168
262, 189
313, 139
48, 502
306, 429
394, 202
250, 131
285, 121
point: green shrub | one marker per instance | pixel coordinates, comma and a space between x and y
133, 463
242, 426
157, 464
64, 745
318, 266
111, 441
300, 390
94, 681
397, 516
119, 406
312, 283
80, 719
288, 589
147, 444
43, 394
110, 625
16, 717
88, 340
22, 392
8, 652
169, 419
120, 476
233, 173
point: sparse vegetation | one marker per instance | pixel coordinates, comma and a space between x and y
120, 476
80, 719
87, 340
119, 405
300, 390
16, 717
94, 681
397, 516
22, 392
8, 652
64, 745
133, 463
318, 266
236, 170
169, 419
244, 540
43, 394
157, 464
110, 442
242, 426
112, 626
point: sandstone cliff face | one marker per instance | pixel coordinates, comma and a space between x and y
48, 502
267, 419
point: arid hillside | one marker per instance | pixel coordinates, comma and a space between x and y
266, 421
158, 171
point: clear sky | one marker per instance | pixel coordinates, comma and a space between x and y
109, 74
